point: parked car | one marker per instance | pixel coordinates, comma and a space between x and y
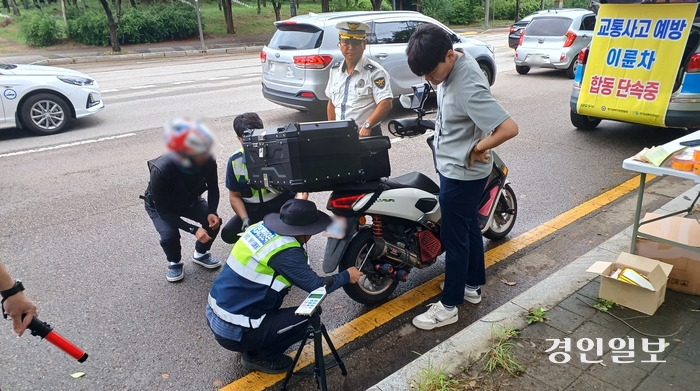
44, 99
518, 27
684, 106
554, 41
296, 62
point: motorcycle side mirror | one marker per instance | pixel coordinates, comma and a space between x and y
405, 101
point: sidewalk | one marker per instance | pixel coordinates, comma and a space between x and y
569, 296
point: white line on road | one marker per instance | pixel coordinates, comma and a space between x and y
142, 87
251, 75
112, 90
183, 82
73, 144
220, 78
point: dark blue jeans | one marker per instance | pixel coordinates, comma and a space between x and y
461, 237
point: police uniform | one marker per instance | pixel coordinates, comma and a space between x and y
356, 96
258, 202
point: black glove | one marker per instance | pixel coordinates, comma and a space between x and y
246, 224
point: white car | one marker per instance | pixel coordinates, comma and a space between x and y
44, 99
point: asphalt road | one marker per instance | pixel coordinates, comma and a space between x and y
76, 233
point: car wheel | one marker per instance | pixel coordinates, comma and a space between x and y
487, 72
584, 122
45, 114
522, 70
571, 70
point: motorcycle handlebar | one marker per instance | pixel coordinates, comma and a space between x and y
410, 127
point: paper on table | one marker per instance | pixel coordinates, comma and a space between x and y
658, 155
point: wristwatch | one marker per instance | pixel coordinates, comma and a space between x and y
17, 288
367, 125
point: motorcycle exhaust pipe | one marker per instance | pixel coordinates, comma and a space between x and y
383, 249
401, 275
385, 269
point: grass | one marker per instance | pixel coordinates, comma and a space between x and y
604, 305
537, 315
501, 355
434, 379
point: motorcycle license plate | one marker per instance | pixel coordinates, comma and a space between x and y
337, 228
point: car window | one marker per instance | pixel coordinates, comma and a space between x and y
548, 26
391, 32
588, 23
296, 37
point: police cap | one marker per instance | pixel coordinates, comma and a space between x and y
352, 30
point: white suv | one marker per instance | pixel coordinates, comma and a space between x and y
296, 62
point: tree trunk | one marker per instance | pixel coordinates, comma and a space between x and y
377, 5
63, 11
25, 4
83, 6
325, 6
15, 10
221, 8
132, 3
112, 24
228, 16
259, 7
6, 5
277, 6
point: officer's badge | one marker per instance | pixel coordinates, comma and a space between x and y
380, 82
353, 26
361, 83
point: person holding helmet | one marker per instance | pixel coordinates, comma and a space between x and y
178, 180
244, 303
358, 88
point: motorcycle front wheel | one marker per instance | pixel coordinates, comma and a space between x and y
372, 288
503, 222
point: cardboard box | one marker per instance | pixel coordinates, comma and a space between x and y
632, 296
685, 276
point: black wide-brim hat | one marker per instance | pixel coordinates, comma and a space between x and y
297, 218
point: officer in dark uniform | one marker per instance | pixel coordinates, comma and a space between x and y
358, 88
249, 203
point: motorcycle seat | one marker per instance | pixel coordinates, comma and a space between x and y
413, 180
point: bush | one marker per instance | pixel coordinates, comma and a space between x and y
357, 5
505, 9
137, 25
466, 11
438, 9
40, 29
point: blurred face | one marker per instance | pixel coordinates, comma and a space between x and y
443, 69
200, 160
352, 50
303, 239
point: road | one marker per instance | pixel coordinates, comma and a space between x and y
76, 233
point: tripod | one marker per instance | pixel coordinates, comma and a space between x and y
316, 330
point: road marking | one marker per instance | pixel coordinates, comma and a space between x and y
362, 325
142, 87
73, 144
468, 33
220, 78
112, 90
183, 82
251, 75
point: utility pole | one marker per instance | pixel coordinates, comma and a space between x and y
517, 10
292, 8
542, 5
486, 13
199, 22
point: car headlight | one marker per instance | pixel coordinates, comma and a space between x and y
76, 81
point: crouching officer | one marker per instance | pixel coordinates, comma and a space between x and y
251, 205
178, 179
358, 88
244, 302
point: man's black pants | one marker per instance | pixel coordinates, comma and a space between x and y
170, 235
266, 342
256, 213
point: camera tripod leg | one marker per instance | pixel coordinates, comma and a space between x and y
320, 367
338, 360
287, 378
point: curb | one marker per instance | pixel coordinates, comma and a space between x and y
475, 340
141, 56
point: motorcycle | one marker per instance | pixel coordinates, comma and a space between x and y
387, 227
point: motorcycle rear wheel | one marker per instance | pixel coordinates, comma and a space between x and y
503, 222
370, 289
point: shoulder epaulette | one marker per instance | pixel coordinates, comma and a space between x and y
370, 67
336, 64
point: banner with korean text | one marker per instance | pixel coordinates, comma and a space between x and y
634, 60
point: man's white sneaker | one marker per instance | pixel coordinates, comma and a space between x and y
472, 296
435, 316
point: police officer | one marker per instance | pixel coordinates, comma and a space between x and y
177, 181
249, 204
244, 302
358, 88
